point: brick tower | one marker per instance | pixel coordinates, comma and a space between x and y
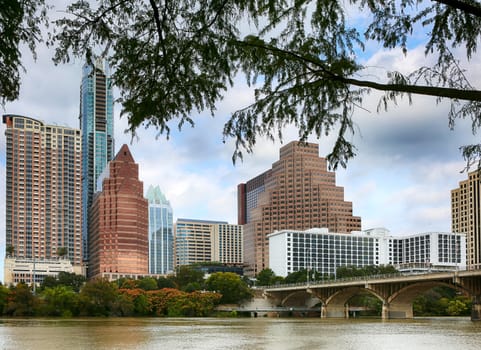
119, 221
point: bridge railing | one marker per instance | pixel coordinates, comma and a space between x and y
350, 279
363, 278
330, 281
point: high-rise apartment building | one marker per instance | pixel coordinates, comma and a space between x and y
119, 221
97, 126
228, 244
466, 216
43, 191
161, 232
199, 241
297, 193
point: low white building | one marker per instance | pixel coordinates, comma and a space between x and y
323, 251
18, 270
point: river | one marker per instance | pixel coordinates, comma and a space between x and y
240, 333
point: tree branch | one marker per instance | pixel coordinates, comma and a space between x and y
470, 95
463, 6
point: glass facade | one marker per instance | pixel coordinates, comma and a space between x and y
97, 126
161, 236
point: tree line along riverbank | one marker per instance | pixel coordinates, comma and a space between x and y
185, 294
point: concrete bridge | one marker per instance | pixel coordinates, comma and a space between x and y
396, 292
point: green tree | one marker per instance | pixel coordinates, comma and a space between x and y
21, 301
71, 279
147, 283
456, 308
124, 305
267, 277
68, 279
195, 304
441, 301
171, 59
165, 282
233, 289
4, 293
133, 302
9, 250
189, 278
98, 298
49, 282
59, 301
302, 275
61, 252
20, 25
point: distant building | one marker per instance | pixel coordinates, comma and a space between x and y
119, 222
28, 270
97, 126
161, 232
198, 241
227, 244
296, 194
466, 216
324, 251
43, 192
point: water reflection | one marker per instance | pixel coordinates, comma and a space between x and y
249, 333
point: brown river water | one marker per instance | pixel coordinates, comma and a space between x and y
240, 333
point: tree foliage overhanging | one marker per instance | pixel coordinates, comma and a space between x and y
20, 24
172, 59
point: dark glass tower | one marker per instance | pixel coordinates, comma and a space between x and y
97, 126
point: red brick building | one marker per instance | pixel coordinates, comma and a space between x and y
118, 234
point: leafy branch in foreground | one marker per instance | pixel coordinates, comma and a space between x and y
172, 59
20, 24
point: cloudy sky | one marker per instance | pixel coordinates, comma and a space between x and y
407, 163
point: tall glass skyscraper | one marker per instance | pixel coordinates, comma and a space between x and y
161, 237
97, 126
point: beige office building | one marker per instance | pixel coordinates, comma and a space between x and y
466, 216
297, 193
198, 241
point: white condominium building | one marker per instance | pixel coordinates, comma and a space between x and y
323, 251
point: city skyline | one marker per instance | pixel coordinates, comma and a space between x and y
407, 162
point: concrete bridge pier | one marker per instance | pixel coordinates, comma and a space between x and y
335, 311
476, 309
397, 310
385, 311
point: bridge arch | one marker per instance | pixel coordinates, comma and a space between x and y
400, 303
397, 292
301, 298
336, 305
342, 296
